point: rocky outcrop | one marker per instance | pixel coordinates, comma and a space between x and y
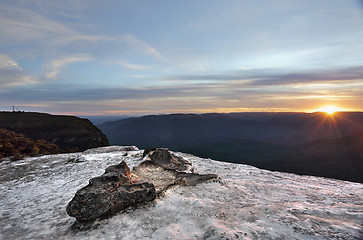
120, 188
109, 193
163, 158
164, 169
69, 133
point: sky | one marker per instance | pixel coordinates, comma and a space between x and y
120, 57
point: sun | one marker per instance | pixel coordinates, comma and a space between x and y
329, 109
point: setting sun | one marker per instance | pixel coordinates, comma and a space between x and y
329, 109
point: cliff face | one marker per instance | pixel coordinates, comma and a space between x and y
69, 133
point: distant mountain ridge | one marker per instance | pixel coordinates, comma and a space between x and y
286, 128
99, 119
304, 143
69, 133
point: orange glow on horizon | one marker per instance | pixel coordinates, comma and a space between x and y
330, 109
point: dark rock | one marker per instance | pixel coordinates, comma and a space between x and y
119, 174
93, 202
77, 159
147, 151
163, 158
130, 148
119, 188
165, 170
108, 194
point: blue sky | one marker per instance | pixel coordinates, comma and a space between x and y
149, 57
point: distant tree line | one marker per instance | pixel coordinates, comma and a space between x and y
17, 146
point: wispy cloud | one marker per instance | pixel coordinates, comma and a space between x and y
139, 76
188, 97
52, 93
11, 74
14, 77
55, 66
65, 8
245, 68
133, 66
206, 67
140, 46
332, 76
7, 63
29, 26
265, 77
22, 26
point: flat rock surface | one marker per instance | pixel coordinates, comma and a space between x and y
247, 203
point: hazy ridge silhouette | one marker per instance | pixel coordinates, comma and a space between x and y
303, 143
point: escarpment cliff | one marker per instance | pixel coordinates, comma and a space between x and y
69, 133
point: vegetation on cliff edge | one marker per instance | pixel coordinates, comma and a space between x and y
17, 146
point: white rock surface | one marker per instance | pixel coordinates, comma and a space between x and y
246, 203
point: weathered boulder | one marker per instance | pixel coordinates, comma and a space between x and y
163, 158
109, 193
119, 188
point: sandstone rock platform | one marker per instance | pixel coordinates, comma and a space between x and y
120, 188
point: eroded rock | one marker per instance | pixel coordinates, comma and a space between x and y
109, 193
163, 158
164, 169
120, 188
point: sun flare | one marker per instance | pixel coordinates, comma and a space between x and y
329, 109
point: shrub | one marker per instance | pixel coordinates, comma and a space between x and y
17, 146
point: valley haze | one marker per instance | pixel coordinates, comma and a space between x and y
304, 143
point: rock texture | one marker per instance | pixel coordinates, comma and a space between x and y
119, 187
108, 194
164, 169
